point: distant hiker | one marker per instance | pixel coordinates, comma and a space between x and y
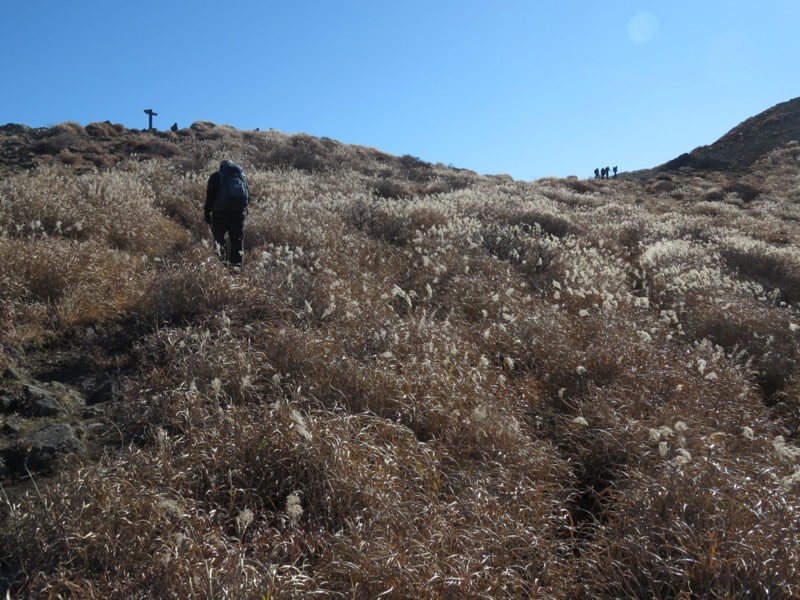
227, 197
615, 172
174, 127
597, 173
608, 170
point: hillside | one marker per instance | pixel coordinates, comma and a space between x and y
425, 382
104, 145
746, 143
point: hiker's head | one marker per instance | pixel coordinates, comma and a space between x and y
226, 164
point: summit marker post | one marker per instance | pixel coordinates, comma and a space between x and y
149, 112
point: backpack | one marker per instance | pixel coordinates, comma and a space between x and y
233, 191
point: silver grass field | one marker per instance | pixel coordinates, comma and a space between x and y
425, 383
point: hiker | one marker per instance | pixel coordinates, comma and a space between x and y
597, 173
615, 172
225, 210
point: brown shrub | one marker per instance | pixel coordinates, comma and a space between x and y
549, 223
414, 169
503, 244
425, 219
301, 152
62, 142
67, 127
85, 284
44, 269
392, 190
391, 228
661, 187
106, 129
202, 127
714, 196
746, 192
693, 548
582, 187
769, 269
183, 291
758, 335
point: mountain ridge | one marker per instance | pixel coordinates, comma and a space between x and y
103, 144
746, 143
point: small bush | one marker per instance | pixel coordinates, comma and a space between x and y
746, 192
769, 269
697, 550
503, 245
179, 295
415, 169
104, 130
392, 190
160, 148
381, 221
581, 187
302, 153
550, 224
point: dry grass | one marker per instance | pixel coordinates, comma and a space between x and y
467, 387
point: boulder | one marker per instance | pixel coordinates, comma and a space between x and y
39, 450
7, 402
13, 374
42, 402
107, 392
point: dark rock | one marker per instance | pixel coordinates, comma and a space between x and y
43, 403
47, 407
13, 374
9, 581
10, 428
14, 129
107, 392
35, 392
59, 438
95, 428
58, 386
39, 450
13, 352
7, 402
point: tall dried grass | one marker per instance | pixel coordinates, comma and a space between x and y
497, 390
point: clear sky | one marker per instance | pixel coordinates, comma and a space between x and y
531, 88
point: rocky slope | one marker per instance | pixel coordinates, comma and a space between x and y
746, 143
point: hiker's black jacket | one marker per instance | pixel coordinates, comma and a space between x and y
212, 194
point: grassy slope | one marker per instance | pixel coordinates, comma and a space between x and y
426, 383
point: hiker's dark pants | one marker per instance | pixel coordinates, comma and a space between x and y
232, 223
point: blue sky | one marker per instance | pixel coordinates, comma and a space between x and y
524, 87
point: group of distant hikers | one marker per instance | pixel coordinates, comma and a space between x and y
604, 173
225, 210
